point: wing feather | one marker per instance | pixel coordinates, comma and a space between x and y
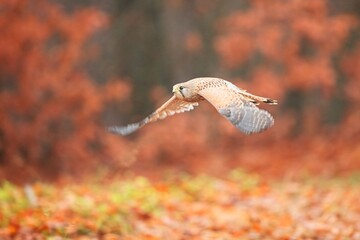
235, 107
169, 108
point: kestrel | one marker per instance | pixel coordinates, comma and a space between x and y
235, 104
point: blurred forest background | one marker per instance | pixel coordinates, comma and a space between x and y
70, 68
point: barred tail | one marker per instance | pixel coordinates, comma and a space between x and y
270, 101
255, 99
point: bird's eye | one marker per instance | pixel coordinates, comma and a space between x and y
181, 88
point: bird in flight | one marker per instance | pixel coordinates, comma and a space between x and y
235, 104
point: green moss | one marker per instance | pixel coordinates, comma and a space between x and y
247, 181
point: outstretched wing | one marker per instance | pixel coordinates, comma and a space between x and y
171, 107
242, 113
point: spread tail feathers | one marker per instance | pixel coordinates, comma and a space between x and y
255, 99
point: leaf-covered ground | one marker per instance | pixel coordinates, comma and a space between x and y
240, 206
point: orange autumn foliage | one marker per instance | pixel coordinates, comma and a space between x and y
49, 106
296, 40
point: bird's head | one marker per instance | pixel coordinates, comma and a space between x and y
181, 91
